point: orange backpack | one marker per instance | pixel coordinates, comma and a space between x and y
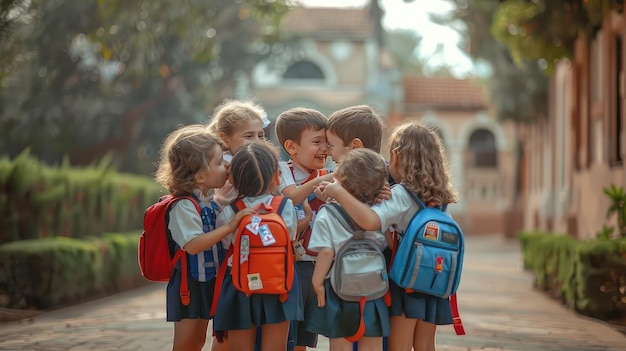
263, 261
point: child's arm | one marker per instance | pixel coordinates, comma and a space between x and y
297, 194
206, 240
322, 266
361, 213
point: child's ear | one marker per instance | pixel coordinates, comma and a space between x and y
276, 178
356, 143
199, 178
290, 147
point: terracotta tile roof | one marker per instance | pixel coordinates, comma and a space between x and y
443, 93
325, 21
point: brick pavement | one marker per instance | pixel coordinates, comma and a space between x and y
499, 308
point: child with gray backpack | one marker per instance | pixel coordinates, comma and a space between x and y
350, 277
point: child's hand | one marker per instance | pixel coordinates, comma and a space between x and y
303, 223
384, 194
320, 292
234, 223
330, 190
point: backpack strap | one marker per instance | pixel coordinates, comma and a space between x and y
182, 255
344, 219
458, 324
219, 280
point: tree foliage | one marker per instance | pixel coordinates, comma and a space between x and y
115, 76
546, 30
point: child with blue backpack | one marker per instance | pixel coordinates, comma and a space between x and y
191, 164
418, 164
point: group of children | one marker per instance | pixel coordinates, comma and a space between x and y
230, 160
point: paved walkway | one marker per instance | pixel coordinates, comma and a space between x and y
499, 308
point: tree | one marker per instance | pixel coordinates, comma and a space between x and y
116, 76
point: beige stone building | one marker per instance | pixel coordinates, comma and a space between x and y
576, 151
334, 62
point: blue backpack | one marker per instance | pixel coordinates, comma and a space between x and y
429, 256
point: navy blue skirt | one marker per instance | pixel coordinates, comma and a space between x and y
340, 318
416, 305
200, 296
237, 311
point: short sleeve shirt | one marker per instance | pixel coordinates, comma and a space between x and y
328, 232
398, 210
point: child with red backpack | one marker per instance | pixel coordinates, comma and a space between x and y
252, 294
190, 168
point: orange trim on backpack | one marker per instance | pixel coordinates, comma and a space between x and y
361, 329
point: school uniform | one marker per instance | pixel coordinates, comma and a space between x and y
340, 318
399, 210
237, 311
293, 174
185, 224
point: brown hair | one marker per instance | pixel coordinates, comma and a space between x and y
232, 114
363, 173
184, 152
422, 165
359, 121
253, 167
291, 123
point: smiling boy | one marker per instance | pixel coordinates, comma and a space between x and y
302, 134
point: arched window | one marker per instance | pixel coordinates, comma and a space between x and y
303, 70
482, 146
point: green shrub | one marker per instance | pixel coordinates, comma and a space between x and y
588, 275
50, 272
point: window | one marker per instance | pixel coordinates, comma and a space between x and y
482, 146
303, 70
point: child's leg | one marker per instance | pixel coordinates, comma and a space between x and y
401, 336
340, 344
219, 346
190, 334
424, 337
242, 339
370, 343
274, 337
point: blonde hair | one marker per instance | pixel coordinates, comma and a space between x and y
232, 114
363, 173
184, 152
422, 165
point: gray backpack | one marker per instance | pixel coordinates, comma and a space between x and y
359, 269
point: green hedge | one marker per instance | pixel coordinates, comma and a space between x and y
39, 201
587, 275
50, 272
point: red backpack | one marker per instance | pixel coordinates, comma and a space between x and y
156, 248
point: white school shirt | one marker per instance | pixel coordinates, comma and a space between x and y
328, 232
398, 210
185, 222
288, 214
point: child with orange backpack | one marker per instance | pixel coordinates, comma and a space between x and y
192, 166
258, 249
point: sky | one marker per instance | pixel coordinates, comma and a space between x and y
414, 16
